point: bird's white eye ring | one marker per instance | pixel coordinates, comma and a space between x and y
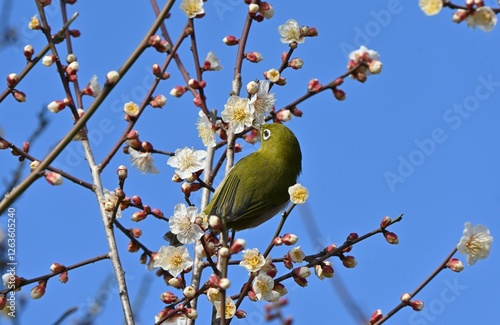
266, 134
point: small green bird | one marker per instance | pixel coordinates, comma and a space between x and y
256, 188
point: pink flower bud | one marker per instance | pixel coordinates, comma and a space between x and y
191, 313
19, 96
177, 91
391, 238
278, 241
330, 248
53, 178
352, 236
230, 40
376, 316
197, 101
138, 216
417, 305
28, 52
72, 68
63, 277
339, 94
240, 314
302, 272
136, 200
157, 70
284, 115
133, 246
122, 172
386, 221
254, 57
349, 262
314, 86
266, 10
290, 239
38, 291
193, 83
168, 297
455, 265
237, 246
158, 102
175, 282
300, 281
296, 64
57, 268
12, 80
3, 301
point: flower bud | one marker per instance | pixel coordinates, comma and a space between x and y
19, 96
405, 298
34, 23
273, 75
252, 87
290, 239
386, 221
266, 10
349, 262
48, 60
176, 282
215, 222
376, 316
254, 57
417, 305
300, 281
28, 52
57, 268
391, 238
112, 78
224, 252
237, 246
12, 80
296, 63
72, 68
278, 241
339, 94
177, 91
3, 301
191, 313
53, 178
158, 102
63, 277
138, 216
253, 8
133, 246
122, 172
189, 292
224, 283
375, 67
302, 272
38, 291
240, 314
168, 297
455, 265
230, 40
314, 86
284, 115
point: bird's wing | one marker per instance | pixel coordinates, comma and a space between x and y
233, 190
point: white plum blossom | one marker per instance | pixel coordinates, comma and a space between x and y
183, 225
173, 259
262, 102
263, 286
296, 254
187, 161
143, 161
290, 32
483, 17
205, 130
252, 260
298, 194
212, 62
230, 309
192, 8
110, 200
431, 7
475, 243
238, 113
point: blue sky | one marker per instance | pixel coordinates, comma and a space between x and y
430, 119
